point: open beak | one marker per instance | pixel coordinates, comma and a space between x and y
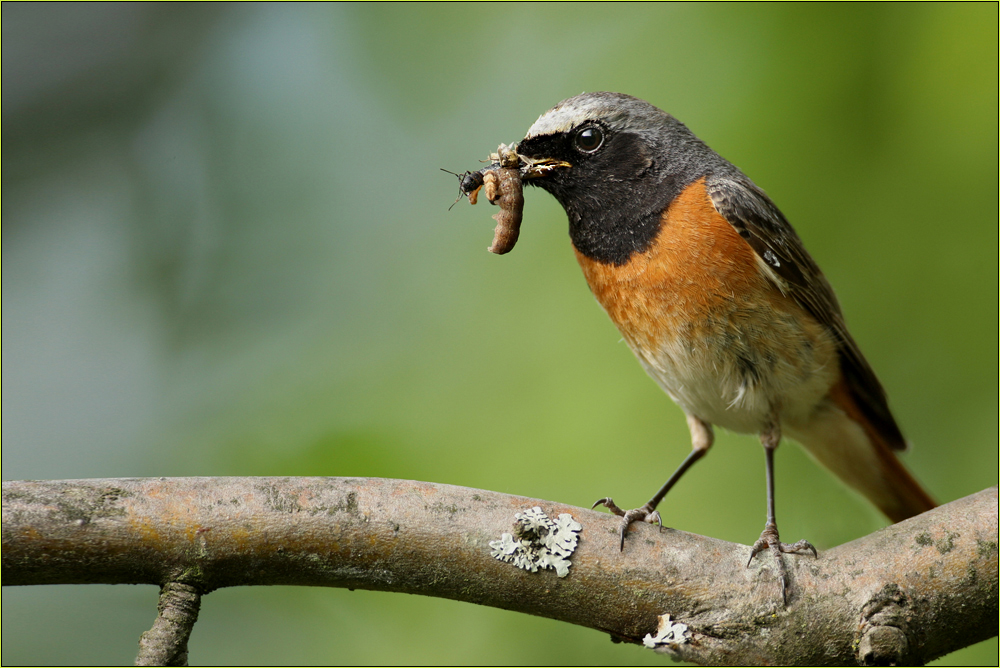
534, 168
531, 168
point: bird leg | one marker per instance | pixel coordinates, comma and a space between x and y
701, 441
769, 539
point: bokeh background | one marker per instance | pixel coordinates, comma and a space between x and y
227, 250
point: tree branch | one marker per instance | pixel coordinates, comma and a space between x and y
906, 594
166, 643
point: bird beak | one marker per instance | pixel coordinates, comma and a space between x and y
537, 167
530, 168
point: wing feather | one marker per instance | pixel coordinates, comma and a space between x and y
755, 217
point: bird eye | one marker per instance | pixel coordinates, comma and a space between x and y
589, 139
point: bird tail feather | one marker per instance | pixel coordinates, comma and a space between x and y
840, 437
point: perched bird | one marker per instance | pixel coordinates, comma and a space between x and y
716, 295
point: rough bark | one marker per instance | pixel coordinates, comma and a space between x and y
906, 594
166, 643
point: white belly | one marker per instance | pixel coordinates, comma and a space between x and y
740, 377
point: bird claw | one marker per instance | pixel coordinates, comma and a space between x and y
609, 503
798, 547
643, 514
769, 539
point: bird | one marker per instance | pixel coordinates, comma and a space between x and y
717, 297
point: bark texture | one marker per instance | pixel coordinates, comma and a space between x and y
906, 594
166, 643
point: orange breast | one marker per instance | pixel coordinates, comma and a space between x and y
710, 327
697, 266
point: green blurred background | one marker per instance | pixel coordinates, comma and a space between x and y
227, 251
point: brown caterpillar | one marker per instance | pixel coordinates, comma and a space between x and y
503, 188
501, 181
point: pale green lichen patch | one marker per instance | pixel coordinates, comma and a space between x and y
540, 543
946, 544
667, 633
986, 548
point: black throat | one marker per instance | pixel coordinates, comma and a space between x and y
614, 199
614, 221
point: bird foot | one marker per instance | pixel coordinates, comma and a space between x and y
644, 514
769, 539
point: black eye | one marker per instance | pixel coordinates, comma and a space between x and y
588, 139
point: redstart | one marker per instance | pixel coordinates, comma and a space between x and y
716, 295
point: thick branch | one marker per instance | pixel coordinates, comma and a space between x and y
908, 593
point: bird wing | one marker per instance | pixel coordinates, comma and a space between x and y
755, 217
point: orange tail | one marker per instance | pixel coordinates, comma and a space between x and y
841, 438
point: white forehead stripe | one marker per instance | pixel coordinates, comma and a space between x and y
617, 111
560, 118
